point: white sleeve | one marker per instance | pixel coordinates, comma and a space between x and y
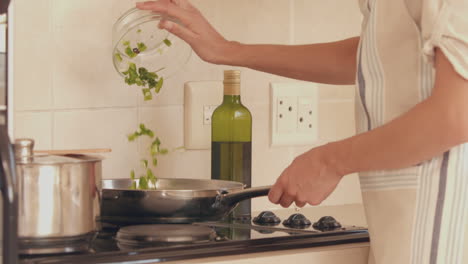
445, 26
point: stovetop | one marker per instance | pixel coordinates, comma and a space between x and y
227, 238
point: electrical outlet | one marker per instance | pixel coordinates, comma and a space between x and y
306, 119
208, 113
200, 101
286, 115
294, 113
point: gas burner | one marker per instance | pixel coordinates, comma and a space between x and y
50, 246
267, 218
297, 221
326, 223
141, 236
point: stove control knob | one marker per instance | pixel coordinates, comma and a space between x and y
267, 218
297, 221
326, 223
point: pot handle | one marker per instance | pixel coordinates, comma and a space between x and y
230, 199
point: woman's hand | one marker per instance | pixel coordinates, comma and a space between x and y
309, 179
195, 29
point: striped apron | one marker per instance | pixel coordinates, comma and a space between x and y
416, 214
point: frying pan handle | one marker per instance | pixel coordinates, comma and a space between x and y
233, 198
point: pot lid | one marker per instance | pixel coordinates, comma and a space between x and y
24, 149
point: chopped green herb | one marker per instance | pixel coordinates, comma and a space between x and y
141, 46
132, 176
164, 151
142, 77
139, 31
130, 52
118, 57
143, 183
167, 42
148, 180
159, 85
126, 43
147, 94
145, 163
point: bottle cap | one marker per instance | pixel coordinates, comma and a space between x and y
232, 77
232, 82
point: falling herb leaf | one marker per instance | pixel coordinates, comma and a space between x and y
167, 42
164, 151
143, 183
159, 85
149, 179
147, 94
139, 31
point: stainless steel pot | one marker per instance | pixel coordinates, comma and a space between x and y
58, 196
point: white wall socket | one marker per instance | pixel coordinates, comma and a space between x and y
294, 113
200, 100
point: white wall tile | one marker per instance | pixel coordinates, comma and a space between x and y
33, 55
100, 129
35, 125
323, 21
84, 75
336, 120
336, 92
250, 21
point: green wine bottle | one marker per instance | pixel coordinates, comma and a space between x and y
231, 137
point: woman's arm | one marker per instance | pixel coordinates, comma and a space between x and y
427, 130
333, 63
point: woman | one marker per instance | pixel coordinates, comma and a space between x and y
410, 65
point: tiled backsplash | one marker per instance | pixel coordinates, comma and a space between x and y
67, 94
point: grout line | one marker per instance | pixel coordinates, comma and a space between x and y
336, 100
52, 39
52, 82
94, 108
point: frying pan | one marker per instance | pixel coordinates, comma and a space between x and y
173, 201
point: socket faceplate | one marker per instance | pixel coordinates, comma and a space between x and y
294, 113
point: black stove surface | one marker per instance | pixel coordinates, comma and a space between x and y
230, 238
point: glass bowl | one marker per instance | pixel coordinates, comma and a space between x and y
137, 39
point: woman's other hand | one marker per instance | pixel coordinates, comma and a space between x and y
310, 178
194, 29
